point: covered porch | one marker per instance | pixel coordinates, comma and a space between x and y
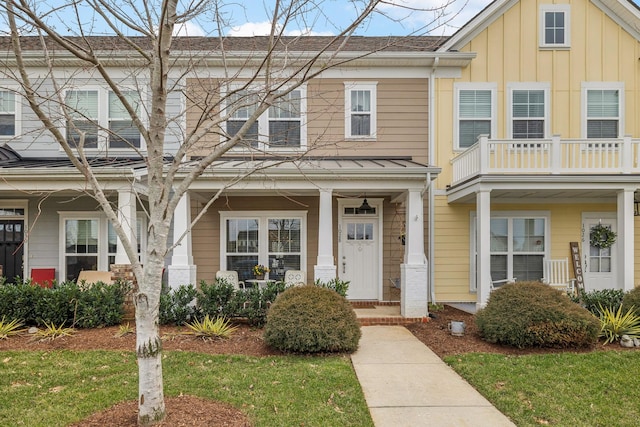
330, 233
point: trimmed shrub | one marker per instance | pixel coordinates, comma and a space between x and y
177, 306
532, 314
632, 299
340, 286
607, 298
101, 304
311, 319
217, 299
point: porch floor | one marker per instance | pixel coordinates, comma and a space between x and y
371, 313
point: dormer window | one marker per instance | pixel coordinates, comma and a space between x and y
554, 26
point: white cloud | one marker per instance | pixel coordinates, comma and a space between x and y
250, 29
439, 16
188, 29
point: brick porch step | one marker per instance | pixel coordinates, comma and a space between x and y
370, 313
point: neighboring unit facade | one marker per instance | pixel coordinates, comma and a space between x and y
293, 195
538, 143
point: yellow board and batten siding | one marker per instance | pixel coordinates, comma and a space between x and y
508, 52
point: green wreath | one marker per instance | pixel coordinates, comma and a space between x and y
602, 236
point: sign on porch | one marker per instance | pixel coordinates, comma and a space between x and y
576, 260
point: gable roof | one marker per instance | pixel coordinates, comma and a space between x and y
624, 12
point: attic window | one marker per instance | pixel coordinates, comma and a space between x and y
554, 26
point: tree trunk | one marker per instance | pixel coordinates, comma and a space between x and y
149, 345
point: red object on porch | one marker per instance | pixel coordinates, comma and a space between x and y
43, 277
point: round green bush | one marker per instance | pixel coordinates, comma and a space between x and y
532, 314
631, 299
310, 319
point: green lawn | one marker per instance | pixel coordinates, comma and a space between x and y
60, 387
600, 388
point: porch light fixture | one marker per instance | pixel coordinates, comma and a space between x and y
365, 208
636, 207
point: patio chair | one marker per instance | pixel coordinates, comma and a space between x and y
498, 283
556, 274
43, 277
295, 278
230, 276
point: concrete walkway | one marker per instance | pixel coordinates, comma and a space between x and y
406, 384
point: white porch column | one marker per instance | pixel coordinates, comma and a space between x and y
483, 247
625, 238
182, 271
325, 269
413, 273
127, 218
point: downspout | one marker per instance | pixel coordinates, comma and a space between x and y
431, 145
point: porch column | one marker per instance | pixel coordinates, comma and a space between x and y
182, 271
413, 273
325, 269
625, 238
483, 247
127, 218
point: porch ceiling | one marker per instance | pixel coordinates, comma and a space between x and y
523, 189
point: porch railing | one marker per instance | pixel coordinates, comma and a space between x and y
553, 156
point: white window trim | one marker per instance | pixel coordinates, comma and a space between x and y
546, 87
103, 238
370, 86
17, 112
586, 86
263, 245
566, 9
263, 125
103, 120
546, 215
457, 87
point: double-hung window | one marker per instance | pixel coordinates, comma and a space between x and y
529, 110
475, 113
518, 245
360, 106
9, 114
82, 122
88, 242
282, 126
274, 239
123, 133
97, 118
555, 31
602, 106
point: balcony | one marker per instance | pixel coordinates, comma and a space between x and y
553, 156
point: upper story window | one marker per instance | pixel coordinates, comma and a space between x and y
602, 105
9, 114
554, 26
282, 126
475, 113
102, 119
360, 106
528, 109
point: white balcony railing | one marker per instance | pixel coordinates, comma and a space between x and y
553, 156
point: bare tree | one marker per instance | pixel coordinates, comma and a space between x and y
162, 67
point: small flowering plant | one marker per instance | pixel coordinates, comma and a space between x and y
260, 270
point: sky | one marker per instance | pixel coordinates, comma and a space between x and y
251, 17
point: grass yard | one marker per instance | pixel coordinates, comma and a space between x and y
600, 388
57, 388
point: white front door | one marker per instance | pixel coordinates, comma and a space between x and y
359, 258
599, 263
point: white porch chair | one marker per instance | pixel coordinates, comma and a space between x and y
231, 277
497, 283
295, 277
556, 274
